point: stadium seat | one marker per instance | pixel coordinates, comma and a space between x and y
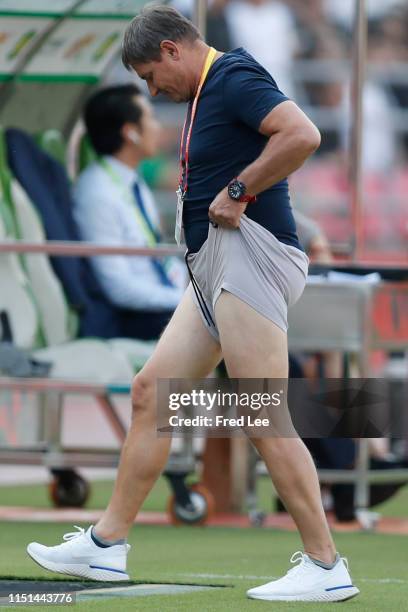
90, 360
86, 153
52, 142
48, 187
58, 321
5, 183
14, 298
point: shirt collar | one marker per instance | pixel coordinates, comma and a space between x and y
127, 174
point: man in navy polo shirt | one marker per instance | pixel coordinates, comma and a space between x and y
241, 139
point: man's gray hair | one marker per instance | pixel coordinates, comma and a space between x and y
155, 23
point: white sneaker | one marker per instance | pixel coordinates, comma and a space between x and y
80, 556
308, 582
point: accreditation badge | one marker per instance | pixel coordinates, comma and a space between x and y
179, 216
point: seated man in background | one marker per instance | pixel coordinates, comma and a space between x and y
312, 239
113, 206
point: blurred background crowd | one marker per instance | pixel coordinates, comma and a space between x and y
307, 47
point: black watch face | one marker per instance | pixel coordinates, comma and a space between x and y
236, 190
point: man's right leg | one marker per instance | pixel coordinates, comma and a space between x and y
185, 350
254, 347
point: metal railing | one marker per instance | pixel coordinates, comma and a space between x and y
86, 249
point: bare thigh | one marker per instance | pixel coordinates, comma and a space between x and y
252, 345
186, 349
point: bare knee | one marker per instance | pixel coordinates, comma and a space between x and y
142, 394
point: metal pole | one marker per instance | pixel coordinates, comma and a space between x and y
200, 16
356, 140
362, 487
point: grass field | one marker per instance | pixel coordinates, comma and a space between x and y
238, 558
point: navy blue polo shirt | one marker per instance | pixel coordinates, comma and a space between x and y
236, 97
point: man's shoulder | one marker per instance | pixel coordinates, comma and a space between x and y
239, 63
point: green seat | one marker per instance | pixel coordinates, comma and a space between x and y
43, 317
7, 218
52, 142
5, 187
86, 153
152, 170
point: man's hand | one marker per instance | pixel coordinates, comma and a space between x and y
226, 212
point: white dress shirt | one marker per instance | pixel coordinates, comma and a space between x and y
105, 212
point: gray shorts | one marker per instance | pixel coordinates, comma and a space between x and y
252, 264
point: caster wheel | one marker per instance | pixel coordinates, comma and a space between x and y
197, 512
256, 518
68, 489
368, 520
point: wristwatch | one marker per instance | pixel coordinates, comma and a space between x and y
237, 191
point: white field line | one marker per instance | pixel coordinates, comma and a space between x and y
251, 577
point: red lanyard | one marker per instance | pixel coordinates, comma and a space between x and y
183, 179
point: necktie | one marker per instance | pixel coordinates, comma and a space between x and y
158, 264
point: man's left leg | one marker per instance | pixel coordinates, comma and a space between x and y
254, 347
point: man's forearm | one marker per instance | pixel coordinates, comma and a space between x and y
284, 153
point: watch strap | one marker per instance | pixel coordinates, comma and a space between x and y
247, 198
